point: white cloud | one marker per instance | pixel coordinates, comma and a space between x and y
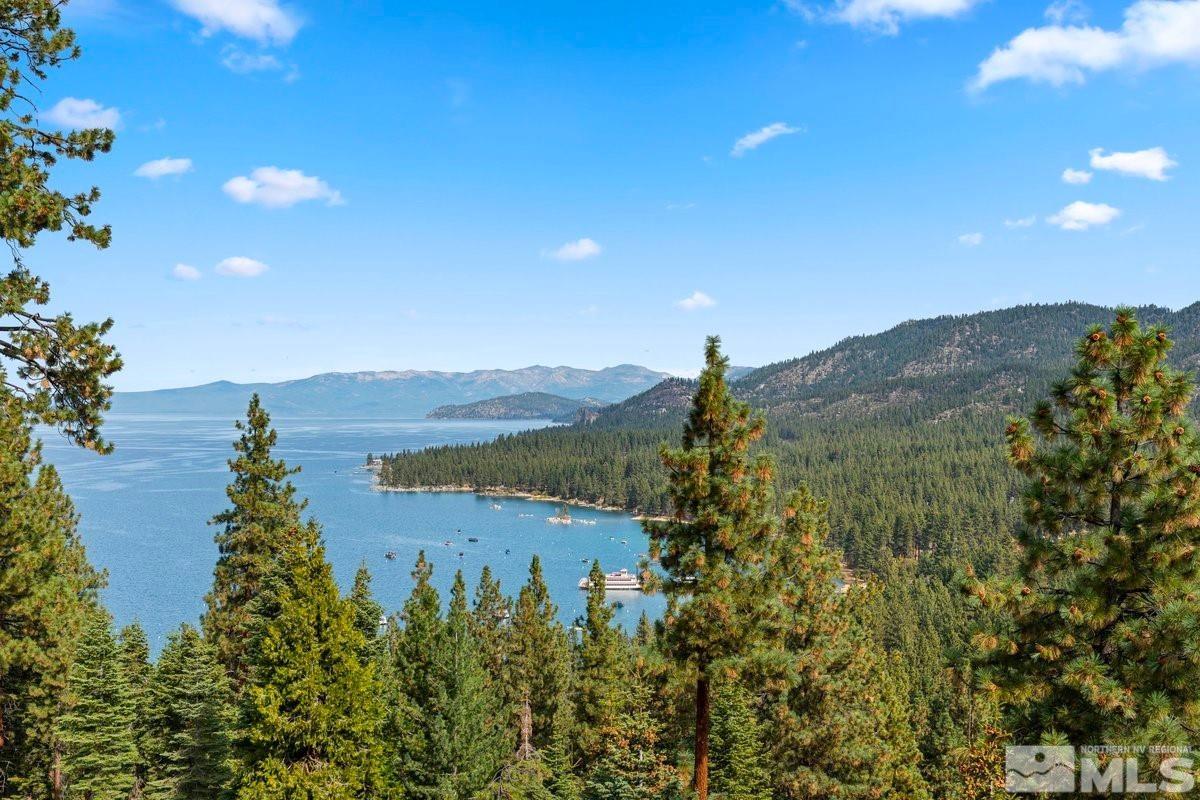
161, 167
1152, 163
971, 239
1076, 177
1154, 33
1062, 12
185, 272
1079, 216
241, 267
73, 112
265, 21
696, 301
885, 16
1021, 222
280, 188
238, 60
756, 139
576, 251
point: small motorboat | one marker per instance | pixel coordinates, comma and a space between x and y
390, 555
448, 543
472, 538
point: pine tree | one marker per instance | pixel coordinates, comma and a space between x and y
1098, 633
135, 663
99, 751
412, 685
190, 721
539, 660
52, 369
367, 614
739, 771
263, 515
633, 766
467, 728
311, 709
837, 723
600, 670
47, 589
489, 618
713, 547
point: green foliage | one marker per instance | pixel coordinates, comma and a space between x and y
135, 663
632, 765
190, 722
489, 614
99, 752
713, 547
311, 709
739, 768
367, 615
263, 518
467, 730
836, 709
52, 368
1098, 632
601, 664
539, 660
47, 589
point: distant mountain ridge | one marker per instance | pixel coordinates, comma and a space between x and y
397, 393
527, 405
931, 365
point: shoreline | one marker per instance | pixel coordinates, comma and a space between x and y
504, 491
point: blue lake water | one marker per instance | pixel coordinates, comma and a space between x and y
144, 513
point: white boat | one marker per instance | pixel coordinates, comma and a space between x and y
563, 517
585, 521
495, 506
621, 580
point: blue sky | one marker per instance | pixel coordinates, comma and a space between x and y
472, 185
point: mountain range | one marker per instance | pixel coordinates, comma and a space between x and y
397, 394
902, 431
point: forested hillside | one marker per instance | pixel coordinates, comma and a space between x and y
527, 405
902, 430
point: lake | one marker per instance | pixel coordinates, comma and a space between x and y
144, 512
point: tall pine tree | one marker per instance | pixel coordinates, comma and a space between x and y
135, 662
837, 724
714, 545
601, 668
264, 513
539, 663
1098, 637
100, 755
47, 590
311, 709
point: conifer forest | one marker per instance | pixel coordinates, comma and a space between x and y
882, 564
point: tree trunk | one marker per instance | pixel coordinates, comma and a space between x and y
525, 749
703, 709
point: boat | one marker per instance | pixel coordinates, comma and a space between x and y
495, 506
624, 541
448, 543
563, 517
390, 555
621, 580
525, 516
472, 538
583, 561
585, 522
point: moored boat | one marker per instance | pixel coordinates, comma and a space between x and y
621, 580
